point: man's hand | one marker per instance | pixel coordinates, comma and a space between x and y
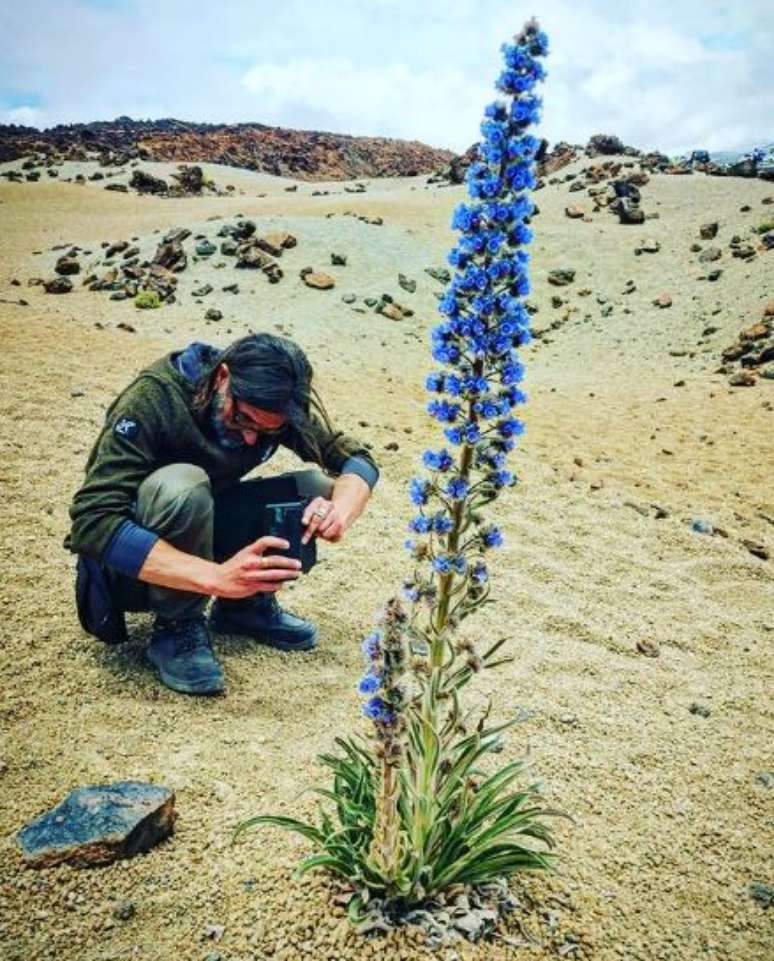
251, 571
348, 500
322, 519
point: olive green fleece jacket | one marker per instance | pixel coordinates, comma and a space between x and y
151, 424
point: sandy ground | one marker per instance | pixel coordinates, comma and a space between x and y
672, 820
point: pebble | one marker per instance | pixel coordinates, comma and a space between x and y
124, 910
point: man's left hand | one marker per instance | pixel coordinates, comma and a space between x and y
322, 519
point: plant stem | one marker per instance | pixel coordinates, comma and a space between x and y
458, 514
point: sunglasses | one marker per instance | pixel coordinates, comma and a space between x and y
243, 422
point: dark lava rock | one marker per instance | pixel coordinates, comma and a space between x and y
250, 256
98, 824
124, 911
603, 143
190, 180
59, 285
120, 188
67, 265
171, 256
176, 235
338, 260
762, 893
205, 248
629, 212
440, 274
709, 230
146, 183
213, 314
561, 276
407, 284
701, 709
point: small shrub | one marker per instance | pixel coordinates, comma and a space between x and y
147, 300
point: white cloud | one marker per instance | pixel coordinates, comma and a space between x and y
23, 116
658, 73
437, 106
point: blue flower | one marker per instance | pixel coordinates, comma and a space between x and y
437, 460
370, 646
419, 524
434, 383
501, 478
492, 537
375, 708
510, 427
483, 321
419, 491
457, 488
442, 523
369, 683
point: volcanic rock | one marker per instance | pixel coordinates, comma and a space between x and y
67, 265
146, 183
58, 285
190, 180
171, 256
98, 824
176, 235
318, 280
602, 143
275, 243
561, 276
443, 276
629, 212
251, 256
709, 230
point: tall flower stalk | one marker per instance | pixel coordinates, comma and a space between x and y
417, 812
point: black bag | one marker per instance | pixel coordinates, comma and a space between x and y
98, 613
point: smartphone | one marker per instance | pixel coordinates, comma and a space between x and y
284, 520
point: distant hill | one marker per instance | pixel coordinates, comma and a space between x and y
303, 154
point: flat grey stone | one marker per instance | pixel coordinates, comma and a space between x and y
98, 824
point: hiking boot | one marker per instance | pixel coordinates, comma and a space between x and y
261, 618
182, 652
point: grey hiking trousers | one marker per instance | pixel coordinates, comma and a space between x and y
177, 503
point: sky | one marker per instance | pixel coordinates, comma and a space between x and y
671, 75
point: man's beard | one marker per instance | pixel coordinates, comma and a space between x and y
227, 438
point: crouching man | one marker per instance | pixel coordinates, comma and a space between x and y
163, 522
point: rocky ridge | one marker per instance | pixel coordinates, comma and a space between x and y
304, 154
